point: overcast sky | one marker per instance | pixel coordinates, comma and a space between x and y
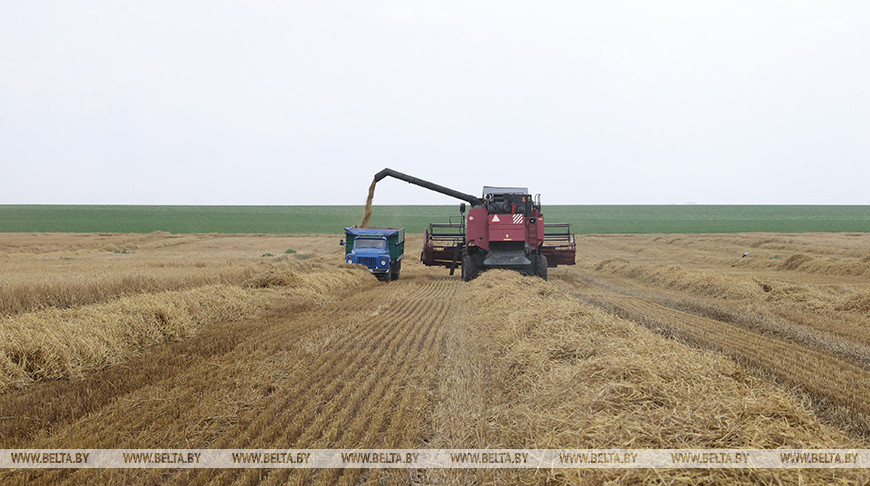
285, 103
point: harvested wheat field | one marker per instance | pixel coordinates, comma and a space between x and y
221, 342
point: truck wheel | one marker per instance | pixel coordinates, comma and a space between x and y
469, 269
388, 275
395, 270
541, 266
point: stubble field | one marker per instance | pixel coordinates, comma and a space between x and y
216, 341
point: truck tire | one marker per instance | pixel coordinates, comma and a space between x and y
388, 276
541, 266
469, 269
395, 270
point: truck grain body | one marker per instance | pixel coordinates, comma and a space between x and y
381, 250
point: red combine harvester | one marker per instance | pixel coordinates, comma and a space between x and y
504, 229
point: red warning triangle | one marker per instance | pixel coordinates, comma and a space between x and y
495, 219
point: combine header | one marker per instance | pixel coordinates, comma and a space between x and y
504, 229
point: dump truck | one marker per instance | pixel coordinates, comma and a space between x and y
381, 250
504, 229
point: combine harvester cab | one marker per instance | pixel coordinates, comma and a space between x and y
504, 229
381, 250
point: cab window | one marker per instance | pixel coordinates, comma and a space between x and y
370, 243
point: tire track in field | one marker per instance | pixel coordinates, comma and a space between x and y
291, 412
350, 414
816, 331
366, 418
313, 373
365, 421
362, 381
826, 377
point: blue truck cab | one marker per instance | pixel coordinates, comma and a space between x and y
381, 250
